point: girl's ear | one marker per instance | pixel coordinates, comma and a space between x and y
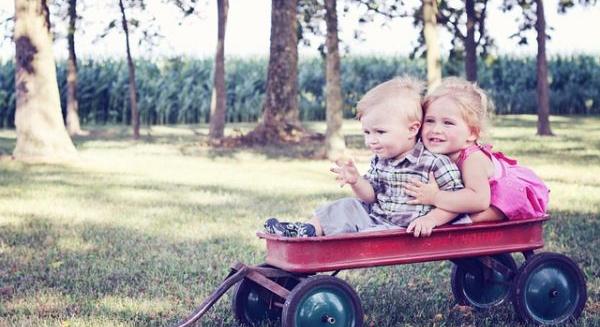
473, 135
413, 128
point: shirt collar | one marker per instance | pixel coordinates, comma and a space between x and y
412, 156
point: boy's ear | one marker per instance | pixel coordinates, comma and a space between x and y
413, 127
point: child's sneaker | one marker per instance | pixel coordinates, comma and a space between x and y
273, 226
302, 229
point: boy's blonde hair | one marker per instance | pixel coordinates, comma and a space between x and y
473, 102
393, 95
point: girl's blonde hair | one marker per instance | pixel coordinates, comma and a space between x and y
473, 102
394, 94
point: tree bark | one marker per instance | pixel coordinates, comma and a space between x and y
41, 133
135, 116
434, 66
73, 126
280, 121
470, 46
218, 106
543, 89
334, 139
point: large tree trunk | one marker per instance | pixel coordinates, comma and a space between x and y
543, 89
334, 139
218, 105
135, 116
73, 126
41, 133
280, 120
434, 66
470, 46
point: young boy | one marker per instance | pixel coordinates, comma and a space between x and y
390, 115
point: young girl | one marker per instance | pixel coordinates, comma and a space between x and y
495, 186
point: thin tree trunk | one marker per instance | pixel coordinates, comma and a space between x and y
135, 116
41, 133
543, 89
73, 126
334, 139
218, 106
281, 119
470, 46
434, 66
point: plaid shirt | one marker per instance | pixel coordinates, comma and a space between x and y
389, 176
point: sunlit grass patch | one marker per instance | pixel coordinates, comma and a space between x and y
139, 232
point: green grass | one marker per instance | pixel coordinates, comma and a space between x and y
139, 233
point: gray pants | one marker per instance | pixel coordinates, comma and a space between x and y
349, 215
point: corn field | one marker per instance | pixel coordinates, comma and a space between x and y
178, 90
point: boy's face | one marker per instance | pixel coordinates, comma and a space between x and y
388, 133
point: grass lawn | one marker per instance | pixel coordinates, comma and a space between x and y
139, 233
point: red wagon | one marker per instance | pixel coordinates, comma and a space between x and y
548, 288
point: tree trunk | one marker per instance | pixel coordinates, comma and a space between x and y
73, 126
543, 89
470, 46
41, 133
434, 66
280, 120
135, 116
218, 105
334, 139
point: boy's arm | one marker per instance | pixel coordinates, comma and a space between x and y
363, 187
424, 225
364, 190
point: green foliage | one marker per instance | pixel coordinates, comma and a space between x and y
7, 94
178, 90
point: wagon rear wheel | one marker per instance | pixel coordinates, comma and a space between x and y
252, 304
549, 289
322, 301
481, 287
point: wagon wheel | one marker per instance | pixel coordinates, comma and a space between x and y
549, 289
252, 304
322, 301
479, 286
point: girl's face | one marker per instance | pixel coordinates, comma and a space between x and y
444, 129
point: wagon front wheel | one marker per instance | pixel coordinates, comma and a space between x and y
322, 301
252, 304
475, 285
549, 289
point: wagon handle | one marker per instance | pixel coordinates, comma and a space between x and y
231, 280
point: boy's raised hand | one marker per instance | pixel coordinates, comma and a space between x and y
423, 193
346, 172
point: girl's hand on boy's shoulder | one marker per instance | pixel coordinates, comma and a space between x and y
346, 172
423, 193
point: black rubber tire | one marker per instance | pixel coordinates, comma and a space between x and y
460, 290
549, 282
327, 285
241, 292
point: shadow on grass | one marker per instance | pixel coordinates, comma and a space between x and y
113, 272
192, 141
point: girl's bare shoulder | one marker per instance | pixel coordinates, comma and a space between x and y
479, 160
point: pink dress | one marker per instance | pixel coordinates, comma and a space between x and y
515, 190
